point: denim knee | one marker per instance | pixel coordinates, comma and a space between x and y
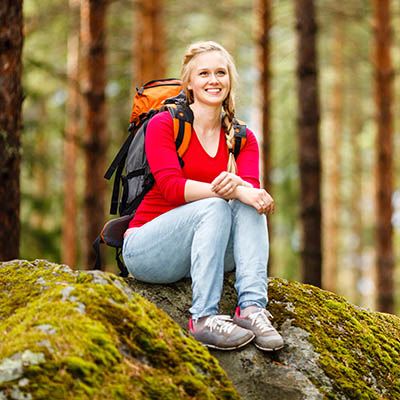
217, 211
238, 206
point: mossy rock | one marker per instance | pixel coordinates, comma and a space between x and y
358, 350
86, 335
333, 349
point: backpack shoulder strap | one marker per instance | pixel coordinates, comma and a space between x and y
240, 137
118, 164
182, 117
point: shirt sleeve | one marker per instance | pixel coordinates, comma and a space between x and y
248, 161
163, 159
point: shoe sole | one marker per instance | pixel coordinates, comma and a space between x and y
213, 346
269, 348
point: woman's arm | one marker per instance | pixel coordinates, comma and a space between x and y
226, 182
195, 190
163, 160
245, 186
260, 199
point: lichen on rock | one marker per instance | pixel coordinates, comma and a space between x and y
86, 335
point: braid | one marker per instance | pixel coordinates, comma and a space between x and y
227, 123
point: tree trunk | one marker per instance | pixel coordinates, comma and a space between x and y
40, 172
93, 14
148, 50
309, 147
69, 223
11, 97
384, 145
263, 15
356, 125
334, 138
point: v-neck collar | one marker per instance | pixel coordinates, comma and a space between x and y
202, 147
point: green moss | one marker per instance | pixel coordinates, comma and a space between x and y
359, 349
98, 341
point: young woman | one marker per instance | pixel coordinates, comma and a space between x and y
209, 216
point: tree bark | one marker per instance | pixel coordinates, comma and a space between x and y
69, 223
309, 146
357, 170
93, 15
11, 97
334, 138
263, 15
384, 182
148, 42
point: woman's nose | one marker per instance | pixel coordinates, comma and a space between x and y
213, 78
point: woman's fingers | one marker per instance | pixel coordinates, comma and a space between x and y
225, 191
265, 203
269, 209
223, 185
217, 181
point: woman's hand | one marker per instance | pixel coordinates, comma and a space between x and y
260, 199
225, 184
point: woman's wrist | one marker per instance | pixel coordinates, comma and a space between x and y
246, 184
239, 191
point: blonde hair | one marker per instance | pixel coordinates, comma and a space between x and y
229, 102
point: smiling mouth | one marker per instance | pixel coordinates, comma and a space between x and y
213, 90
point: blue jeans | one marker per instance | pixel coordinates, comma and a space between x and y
202, 239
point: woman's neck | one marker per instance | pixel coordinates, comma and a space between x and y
207, 120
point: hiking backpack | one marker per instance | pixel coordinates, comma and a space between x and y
132, 171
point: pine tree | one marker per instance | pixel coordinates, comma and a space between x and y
93, 33
11, 97
69, 223
309, 146
148, 41
384, 147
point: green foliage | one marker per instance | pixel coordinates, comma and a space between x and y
44, 84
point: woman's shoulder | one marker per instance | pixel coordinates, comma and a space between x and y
160, 127
250, 136
163, 117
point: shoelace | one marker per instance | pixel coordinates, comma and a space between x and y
221, 323
261, 321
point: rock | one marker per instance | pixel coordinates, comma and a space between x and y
333, 349
91, 335
87, 335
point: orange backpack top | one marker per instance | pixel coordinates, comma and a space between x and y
152, 96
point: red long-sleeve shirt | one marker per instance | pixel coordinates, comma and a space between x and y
168, 191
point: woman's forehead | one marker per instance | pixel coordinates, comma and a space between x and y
214, 59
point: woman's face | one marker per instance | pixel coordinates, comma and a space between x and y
209, 78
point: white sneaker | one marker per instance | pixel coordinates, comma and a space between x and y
219, 332
267, 337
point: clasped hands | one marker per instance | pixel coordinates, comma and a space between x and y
230, 186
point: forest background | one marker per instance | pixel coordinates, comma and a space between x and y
348, 125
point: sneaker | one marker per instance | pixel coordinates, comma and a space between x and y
267, 337
219, 332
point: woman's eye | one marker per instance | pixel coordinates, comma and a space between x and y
203, 73
221, 73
